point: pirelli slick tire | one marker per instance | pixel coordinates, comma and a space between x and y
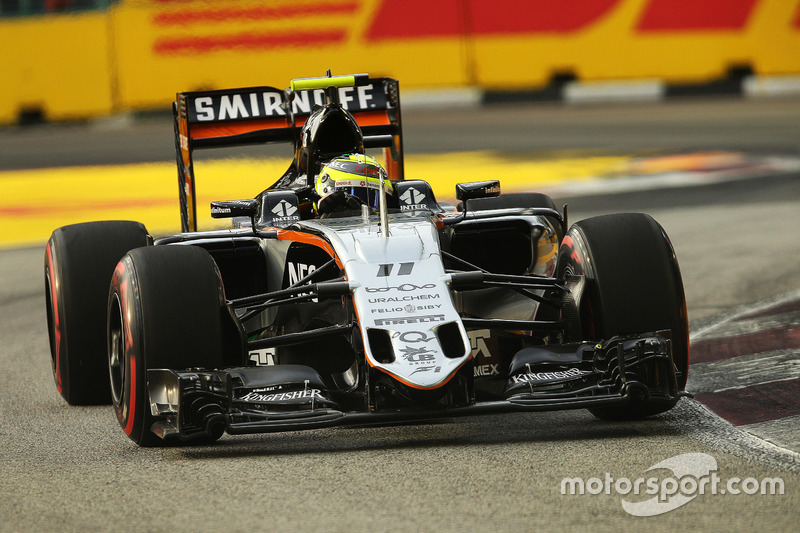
164, 311
78, 264
633, 286
519, 199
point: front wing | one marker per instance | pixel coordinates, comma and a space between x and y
197, 403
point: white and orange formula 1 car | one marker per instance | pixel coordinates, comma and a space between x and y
344, 293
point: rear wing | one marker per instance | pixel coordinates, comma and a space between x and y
256, 115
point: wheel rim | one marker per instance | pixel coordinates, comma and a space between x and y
116, 351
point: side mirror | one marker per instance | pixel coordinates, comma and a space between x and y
468, 191
477, 189
234, 208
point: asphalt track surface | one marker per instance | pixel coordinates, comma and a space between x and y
722, 123
71, 469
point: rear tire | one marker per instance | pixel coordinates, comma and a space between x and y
164, 311
78, 264
633, 286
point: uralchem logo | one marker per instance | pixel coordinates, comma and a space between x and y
693, 474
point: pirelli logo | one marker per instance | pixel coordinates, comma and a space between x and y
408, 320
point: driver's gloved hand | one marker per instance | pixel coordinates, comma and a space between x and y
351, 202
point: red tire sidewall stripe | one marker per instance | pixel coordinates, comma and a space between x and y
569, 250
126, 410
128, 429
54, 300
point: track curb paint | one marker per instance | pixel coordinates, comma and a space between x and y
724, 407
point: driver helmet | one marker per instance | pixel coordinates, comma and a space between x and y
347, 178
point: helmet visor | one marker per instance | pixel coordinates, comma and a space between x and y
368, 197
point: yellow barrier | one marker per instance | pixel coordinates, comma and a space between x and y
139, 53
167, 47
675, 41
59, 65
148, 192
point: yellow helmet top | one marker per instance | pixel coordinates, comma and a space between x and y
354, 174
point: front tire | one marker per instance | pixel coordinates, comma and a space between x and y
78, 264
165, 310
633, 286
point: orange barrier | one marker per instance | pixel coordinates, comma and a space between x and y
139, 53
